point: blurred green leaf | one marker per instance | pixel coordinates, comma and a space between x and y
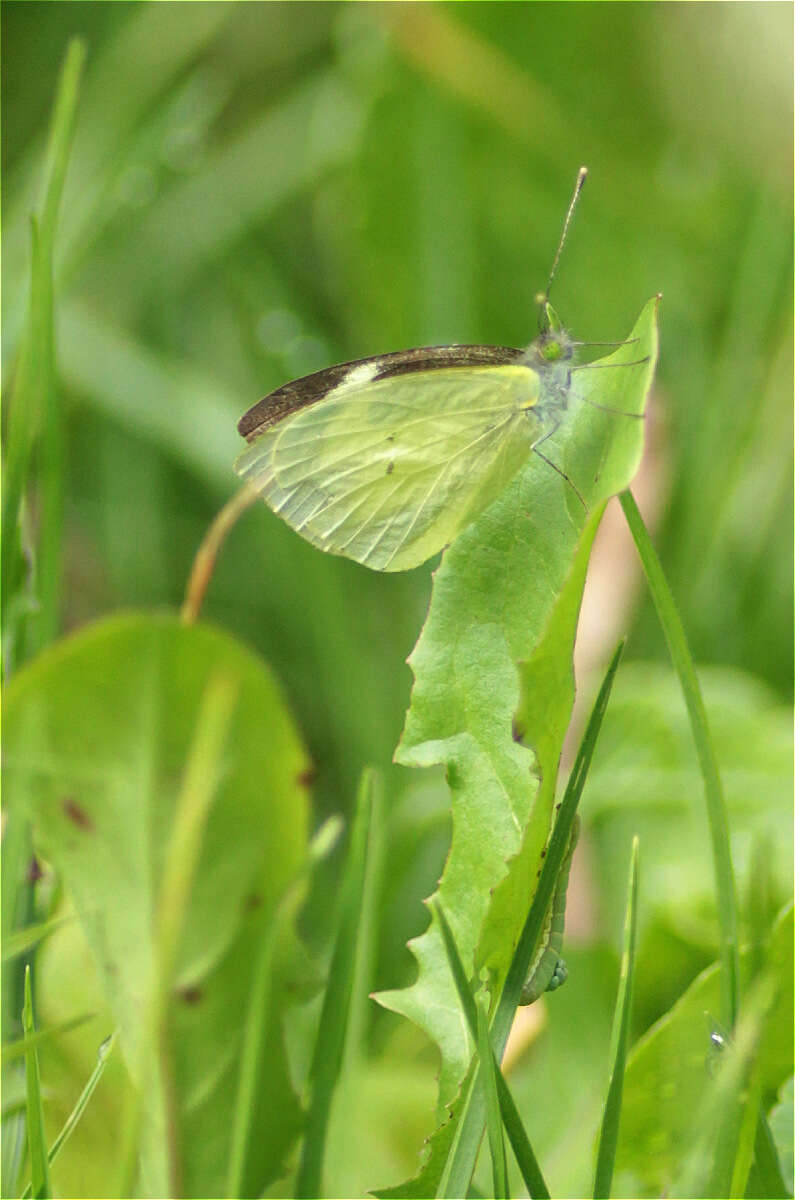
669, 1071
781, 1124
101, 793
719, 1147
645, 780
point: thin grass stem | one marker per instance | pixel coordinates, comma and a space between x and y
334, 1017
37, 1147
608, 1134
713, 790
207, 554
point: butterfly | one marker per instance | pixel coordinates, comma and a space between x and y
386, 459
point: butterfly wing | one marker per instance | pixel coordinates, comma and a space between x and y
388, 471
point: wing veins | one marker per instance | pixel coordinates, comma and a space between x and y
348, 432
446, 467
366, 465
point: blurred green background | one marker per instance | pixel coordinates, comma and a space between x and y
258, 190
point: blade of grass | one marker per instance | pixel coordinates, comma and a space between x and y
499, 1168
70, 1124
35, 409
11, 1108
608, 1136
365, 958
332, 1029
132, 65
259, 1011
520, 1143
760, 903
743, 1152
199, 784
44, 626
469, 1130
16, 910
21, 940
766, 1164
12, 1051
258, 1016
713, 790
39, 1166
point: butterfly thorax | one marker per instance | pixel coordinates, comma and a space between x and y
551, 355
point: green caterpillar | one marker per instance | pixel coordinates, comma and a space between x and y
548, 970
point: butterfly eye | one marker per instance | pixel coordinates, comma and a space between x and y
551, 351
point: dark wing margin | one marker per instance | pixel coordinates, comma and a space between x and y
309, 389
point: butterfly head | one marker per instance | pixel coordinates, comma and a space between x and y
553, 344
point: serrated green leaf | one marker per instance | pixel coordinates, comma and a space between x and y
493, 664
463, 1154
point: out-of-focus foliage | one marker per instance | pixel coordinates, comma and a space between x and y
258, 190
127, 691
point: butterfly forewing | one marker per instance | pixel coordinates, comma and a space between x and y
388, 471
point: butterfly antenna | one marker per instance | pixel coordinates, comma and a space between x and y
582, 175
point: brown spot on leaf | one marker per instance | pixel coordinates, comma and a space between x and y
306, 777
517, 730
252, 901
190, 994
77, 815
390, 468
35, 872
